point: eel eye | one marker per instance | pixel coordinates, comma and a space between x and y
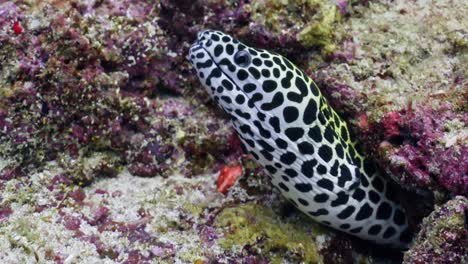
209, 42
242, 58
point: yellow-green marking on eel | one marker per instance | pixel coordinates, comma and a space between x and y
287, 125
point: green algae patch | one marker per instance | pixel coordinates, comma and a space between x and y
320, 32
259, 227
312, 21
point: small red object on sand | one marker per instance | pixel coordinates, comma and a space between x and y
17, 27
227, 177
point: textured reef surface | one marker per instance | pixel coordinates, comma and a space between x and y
110, 148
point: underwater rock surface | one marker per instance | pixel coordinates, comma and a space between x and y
110, 147
443, 236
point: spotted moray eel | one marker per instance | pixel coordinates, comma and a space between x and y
285, 123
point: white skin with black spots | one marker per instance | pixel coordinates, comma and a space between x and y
287, 125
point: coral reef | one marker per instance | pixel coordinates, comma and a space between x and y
109, 147
443, 237
402, 84
82, 78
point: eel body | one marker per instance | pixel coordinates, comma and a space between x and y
287, 125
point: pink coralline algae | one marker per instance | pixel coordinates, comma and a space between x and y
419, 157
72, 223
108, 99
4, 213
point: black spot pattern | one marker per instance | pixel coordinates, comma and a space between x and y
345, 175
271, 169
315, 134
291, 173
319, 212
365, 212
345, 226
275, 123
218, 50
240, 99
294, 133
276, 72
359, 194
286, 81
310, 112
339, 150
326, 184
329, 135
263, 132
281, 143
265, 145
307, 168
277, 100
384, 211
344, 133
325, 152
254, 72
347, 212
266, 73
294, 97
255, 98
306, 148
229, 49
288, 64
290, 114
389, 232
301, 85
314, 89
257, 62
321, 169
261, 116
321, 198
322, 119
251, 143
288, 158
303, 202
205, 64
342, 199
267, 155
374, 230
283, 186
245, 129
269, 86
374, 196
244, 115
248, 88
303, 187
334, 169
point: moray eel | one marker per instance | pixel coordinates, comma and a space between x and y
286, 124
